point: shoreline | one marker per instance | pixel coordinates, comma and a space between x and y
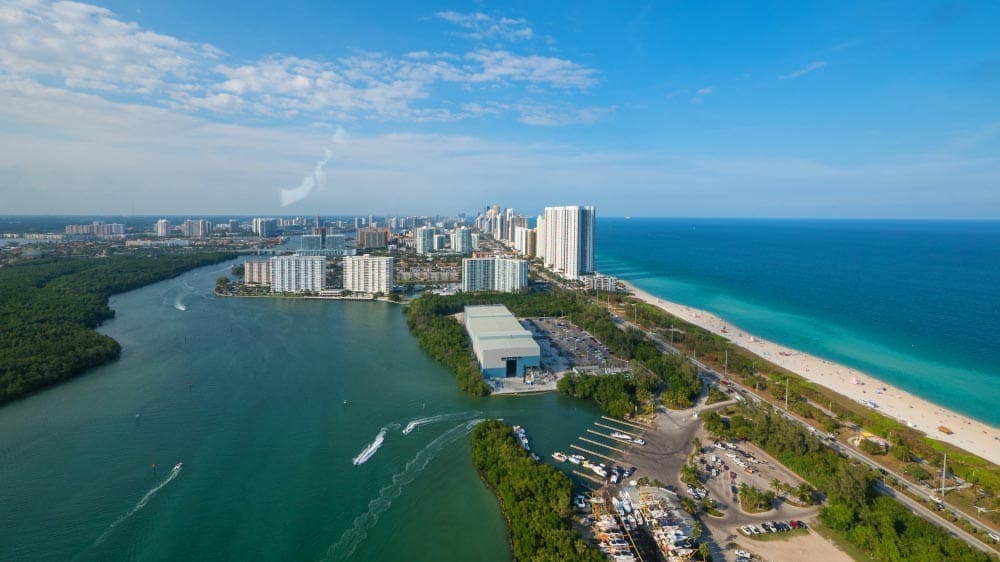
970, 434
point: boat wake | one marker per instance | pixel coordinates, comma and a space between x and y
142, 503
373, 447
414, 424
358, 532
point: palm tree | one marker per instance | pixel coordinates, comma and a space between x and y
804, 492
776, 485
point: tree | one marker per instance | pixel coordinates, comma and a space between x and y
775, 485
705, 551
221, 283
804, 492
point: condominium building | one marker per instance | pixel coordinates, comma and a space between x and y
162, 228
371, 237
505, 275
257, 272
569, 240
424, 239
265, 228
440, 242
297, 274
461, 240
312, 242
197, 228
368, 274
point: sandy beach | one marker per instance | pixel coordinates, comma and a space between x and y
969, 434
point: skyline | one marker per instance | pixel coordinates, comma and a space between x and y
861, 112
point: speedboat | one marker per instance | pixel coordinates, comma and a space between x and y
178, 466
559, 456
576, 459
622, 436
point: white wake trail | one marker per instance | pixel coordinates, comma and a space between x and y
358, 532
142, 503
414, 424
371, 448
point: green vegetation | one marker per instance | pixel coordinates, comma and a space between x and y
755, 500
445, 340
813, 402
49, 309
715, 395
535, 497
877, 524
675, 378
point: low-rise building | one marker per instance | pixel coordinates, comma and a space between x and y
503, 348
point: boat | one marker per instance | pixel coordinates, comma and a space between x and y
535, 457
178, 466
576, 459
622, 436
559, 456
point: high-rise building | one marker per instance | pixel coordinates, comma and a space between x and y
265, 228
368, 274
234, 226
440, 241
504, 275
461, 240
475, 241
197, 228
257, 272
569, 240
297, 274
312, 242
371, 237
424, 239
540, 237
335, 242
163, 228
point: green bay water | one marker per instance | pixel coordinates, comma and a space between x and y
250, 395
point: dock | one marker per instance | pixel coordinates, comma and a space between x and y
599, 444
589, 477
623, 422
589, 452
606, 436
599, 424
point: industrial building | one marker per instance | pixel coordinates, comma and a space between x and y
502, 347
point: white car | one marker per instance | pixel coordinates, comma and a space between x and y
639, 441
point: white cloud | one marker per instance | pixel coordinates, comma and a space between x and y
480, 26
701, 94
90, 49
815, 65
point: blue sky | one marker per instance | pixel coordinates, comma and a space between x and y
799, 109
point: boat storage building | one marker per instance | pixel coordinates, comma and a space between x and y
503, 348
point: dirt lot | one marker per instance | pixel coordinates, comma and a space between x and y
804, 547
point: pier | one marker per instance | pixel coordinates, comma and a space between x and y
589, 452
623, 422
598, 443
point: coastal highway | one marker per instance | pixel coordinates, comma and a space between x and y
913, 505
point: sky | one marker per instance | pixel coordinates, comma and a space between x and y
671, 109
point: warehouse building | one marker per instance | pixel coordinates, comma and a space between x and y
503, 348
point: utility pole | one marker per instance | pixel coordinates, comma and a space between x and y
786, 394
944, 464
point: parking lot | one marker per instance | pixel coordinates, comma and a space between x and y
565, 346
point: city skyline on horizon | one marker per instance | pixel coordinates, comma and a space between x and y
853, 111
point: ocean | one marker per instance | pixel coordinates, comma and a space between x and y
913, 303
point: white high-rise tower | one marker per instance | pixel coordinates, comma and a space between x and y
569, 240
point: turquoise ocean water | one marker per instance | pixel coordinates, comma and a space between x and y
913, 303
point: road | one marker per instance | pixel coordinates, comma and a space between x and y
914, 505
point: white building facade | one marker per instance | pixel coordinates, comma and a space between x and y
368, 274
504, 275
424, 239
569, 240
297, 274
